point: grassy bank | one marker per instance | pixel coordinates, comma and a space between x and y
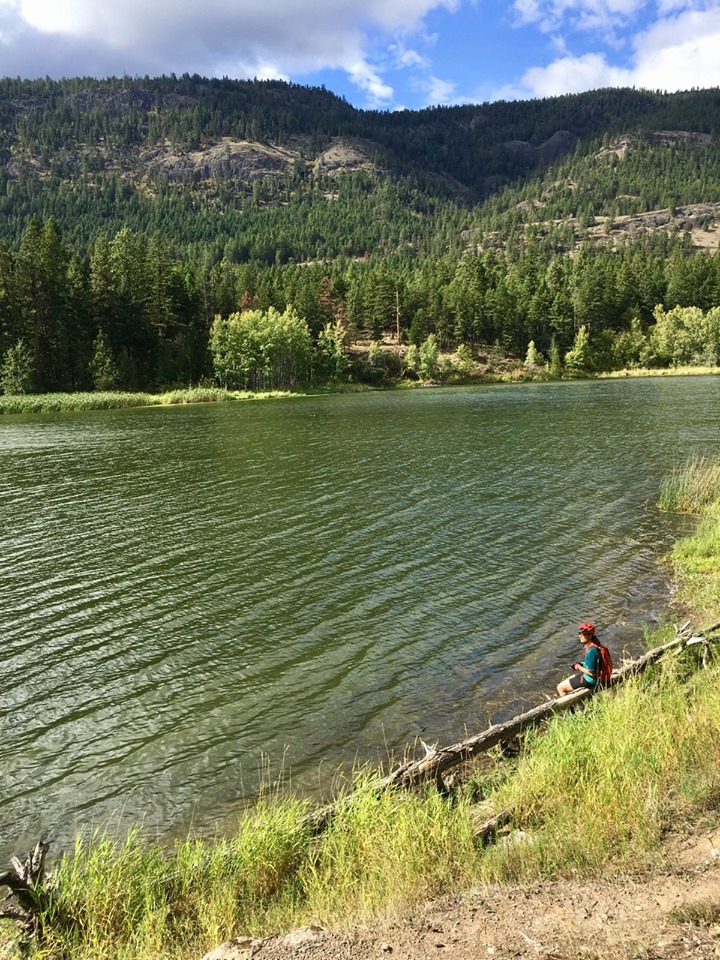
109, 400
593, 793
695, 488
678, 371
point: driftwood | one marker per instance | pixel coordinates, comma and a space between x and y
437, 761
29, 895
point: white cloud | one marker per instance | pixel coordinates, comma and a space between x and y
242, 38
680, 52
566, 75
674, 54
440, 91
406, 58
580, 14
367, 79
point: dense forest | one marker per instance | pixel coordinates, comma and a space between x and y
154, 229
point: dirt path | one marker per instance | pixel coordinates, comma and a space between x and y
626, 919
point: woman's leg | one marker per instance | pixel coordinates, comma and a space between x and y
572, 683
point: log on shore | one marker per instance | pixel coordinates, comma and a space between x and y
437, 761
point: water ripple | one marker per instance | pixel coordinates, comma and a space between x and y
186, 590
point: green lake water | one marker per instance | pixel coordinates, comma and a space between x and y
191, 594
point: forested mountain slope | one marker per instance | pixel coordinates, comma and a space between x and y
204, 157
135, 210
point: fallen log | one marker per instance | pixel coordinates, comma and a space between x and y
437, 761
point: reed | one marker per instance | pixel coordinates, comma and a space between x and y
692, 487
69, 402
679, 371
109, 400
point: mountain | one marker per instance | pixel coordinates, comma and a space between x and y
146, 152
134, 210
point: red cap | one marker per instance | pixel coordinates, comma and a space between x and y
587, 628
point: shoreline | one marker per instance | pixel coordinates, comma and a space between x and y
88, 401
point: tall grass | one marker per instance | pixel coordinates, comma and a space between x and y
129, 899
593, 793
679, 371
695, 488
132, 899
67, 402
386, 850
112, 400
692, 487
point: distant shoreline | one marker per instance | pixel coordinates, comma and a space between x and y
117, 400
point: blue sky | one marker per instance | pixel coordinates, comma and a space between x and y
379, 54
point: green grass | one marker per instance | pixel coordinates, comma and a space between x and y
695, 488
592, 794
692, 487
595, 793
130, 899
109, 400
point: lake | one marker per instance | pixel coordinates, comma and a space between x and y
196, 597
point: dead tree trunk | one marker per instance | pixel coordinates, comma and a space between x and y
437, 761
29, 895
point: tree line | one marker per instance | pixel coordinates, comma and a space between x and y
131, 313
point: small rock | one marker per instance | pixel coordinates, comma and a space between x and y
303, 935
240, 948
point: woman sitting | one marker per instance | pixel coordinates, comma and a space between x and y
587, 672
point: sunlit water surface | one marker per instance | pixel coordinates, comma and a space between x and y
314, 580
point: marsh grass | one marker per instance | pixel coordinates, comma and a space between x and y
692, 487
130, 898
109, 400
695, 488
679, 371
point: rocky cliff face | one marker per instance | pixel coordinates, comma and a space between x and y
227, 160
